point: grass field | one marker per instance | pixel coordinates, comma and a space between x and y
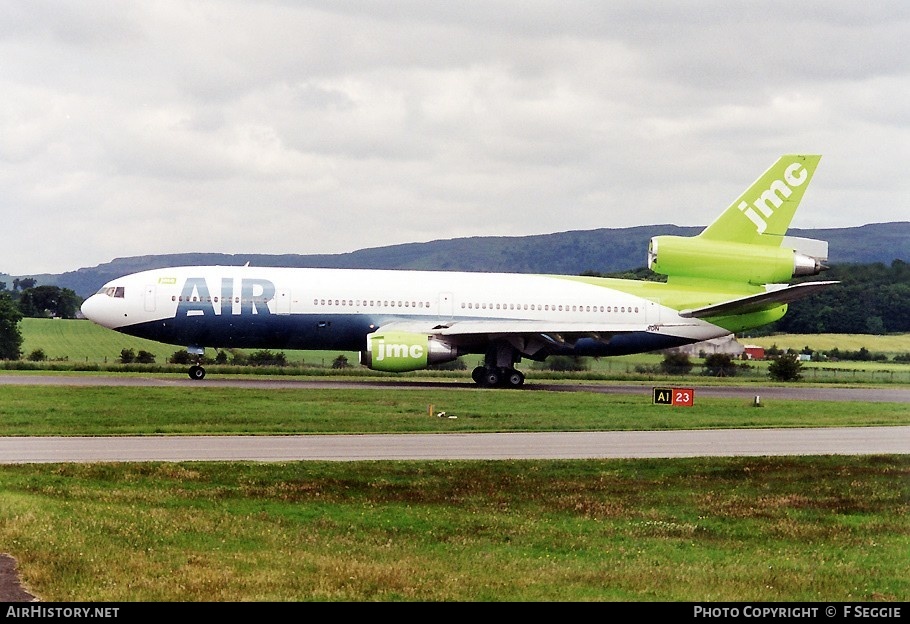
105, 411
829, 529
84, 341
890, 345
68, 343
813, 529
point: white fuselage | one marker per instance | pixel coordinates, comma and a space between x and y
299, 308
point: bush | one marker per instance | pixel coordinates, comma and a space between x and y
127, 356
180, 357
340, 362
773, 351
676, 364
785, 367
184, 357
564, 363
863, 355
37, 355
267, 358
720, 365
144, 357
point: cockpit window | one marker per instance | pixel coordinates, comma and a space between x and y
112, 291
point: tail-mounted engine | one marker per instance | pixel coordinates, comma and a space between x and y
399, 352
679, 256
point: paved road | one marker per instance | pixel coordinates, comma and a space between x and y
546, 445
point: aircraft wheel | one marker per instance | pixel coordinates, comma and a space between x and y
516, 378
477, 374
197, 372
492, 377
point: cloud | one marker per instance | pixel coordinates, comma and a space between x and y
324, 127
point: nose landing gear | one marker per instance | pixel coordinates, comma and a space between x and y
196, 372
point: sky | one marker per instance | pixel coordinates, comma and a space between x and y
311, 127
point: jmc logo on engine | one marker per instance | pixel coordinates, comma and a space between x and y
383, 350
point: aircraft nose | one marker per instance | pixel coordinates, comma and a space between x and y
97, 309
90, 308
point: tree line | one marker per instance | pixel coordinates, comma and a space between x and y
870, 299
36, 301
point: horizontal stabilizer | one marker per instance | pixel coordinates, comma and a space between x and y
757, 303
811, 247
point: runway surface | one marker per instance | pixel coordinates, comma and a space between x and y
800, 392
544, 445
449, 446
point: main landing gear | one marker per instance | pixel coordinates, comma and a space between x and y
494, 376
196, 372
498, 369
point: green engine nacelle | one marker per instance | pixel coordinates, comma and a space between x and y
399, 352
679, 256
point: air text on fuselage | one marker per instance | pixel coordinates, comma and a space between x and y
252, 297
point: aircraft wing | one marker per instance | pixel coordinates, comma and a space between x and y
759, 302
455, 328
528, 336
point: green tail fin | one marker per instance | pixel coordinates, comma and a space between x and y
762, 214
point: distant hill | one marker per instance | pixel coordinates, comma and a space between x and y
603, 250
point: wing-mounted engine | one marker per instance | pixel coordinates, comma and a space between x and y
399, 352
678, 256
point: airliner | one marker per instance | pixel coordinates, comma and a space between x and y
731, 277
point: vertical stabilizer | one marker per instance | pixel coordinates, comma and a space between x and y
762, 214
